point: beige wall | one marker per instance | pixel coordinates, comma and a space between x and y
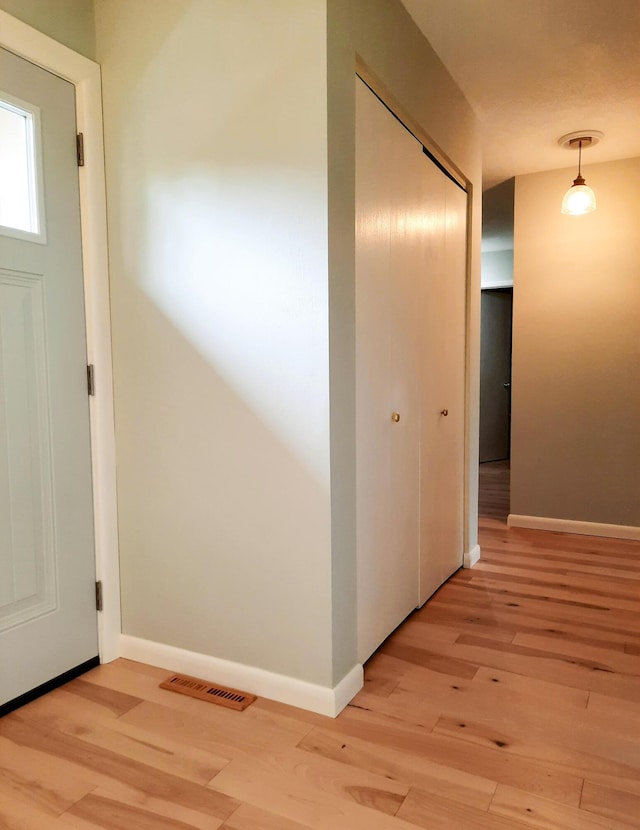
215, 129
231, 215
576, 349
69, 21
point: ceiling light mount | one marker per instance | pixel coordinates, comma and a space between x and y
579, 198
589, 138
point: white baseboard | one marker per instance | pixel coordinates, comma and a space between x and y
571, 526
281, 687
470, 559
346, 689
497, 284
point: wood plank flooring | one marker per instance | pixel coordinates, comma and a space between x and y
510, 701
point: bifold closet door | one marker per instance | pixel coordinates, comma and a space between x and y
443, 377
387, 371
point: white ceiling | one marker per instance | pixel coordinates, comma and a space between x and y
534, 70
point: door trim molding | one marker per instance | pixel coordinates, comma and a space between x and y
84, 74
573, 526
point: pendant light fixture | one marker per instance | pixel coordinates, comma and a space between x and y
579, 198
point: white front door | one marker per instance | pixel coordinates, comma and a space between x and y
48, 624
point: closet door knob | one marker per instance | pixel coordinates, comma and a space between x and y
395, 417
445, 412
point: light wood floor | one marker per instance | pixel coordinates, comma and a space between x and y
494, 495
511, 701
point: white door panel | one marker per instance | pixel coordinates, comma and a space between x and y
48, 622
442, 476
410, 360
404, 278
373, 374
27, 567
387, 464
433, 374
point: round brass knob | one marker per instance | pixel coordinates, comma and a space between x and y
395, 417
445, 412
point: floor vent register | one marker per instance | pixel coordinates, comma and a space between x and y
200, 689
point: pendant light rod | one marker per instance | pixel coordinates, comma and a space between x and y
579, 179
579, 157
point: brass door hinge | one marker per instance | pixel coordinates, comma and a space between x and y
80, 149
91, 381
99, 596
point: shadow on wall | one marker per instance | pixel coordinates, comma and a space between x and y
214, 510
216, 150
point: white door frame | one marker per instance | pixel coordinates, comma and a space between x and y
84, 74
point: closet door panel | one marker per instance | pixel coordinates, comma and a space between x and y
373, 356
405, 276
454, 391
386, 450
433, 375
443, 349
410, 372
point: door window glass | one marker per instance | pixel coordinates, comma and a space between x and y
20, 211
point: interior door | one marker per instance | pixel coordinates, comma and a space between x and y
443, 379
387, 381
48, 623
495, 374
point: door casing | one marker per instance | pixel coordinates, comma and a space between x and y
84, 74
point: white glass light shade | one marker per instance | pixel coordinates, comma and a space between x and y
578, 199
